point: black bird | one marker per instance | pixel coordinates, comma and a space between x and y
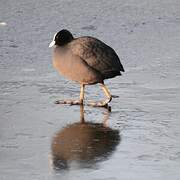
86, 60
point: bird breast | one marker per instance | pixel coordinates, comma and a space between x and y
75, 68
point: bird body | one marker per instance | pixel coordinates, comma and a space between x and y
76, 70
86, 59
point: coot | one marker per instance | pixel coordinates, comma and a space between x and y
86, 60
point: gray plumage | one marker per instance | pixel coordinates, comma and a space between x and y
86, 60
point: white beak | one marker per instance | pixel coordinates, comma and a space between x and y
52, 44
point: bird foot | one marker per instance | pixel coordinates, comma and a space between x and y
70, 102
91, 103
114, 96
99, 104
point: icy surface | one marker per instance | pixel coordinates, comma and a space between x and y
146, 36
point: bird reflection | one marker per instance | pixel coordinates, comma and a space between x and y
83, 144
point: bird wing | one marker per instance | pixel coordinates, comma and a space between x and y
98, 55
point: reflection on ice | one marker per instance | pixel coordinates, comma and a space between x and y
83, 144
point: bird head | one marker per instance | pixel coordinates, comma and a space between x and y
61, 38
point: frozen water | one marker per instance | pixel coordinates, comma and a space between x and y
146, 35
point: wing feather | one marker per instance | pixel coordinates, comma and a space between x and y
98, 55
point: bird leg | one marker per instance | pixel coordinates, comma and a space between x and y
74, 102
81, 97
106, 101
